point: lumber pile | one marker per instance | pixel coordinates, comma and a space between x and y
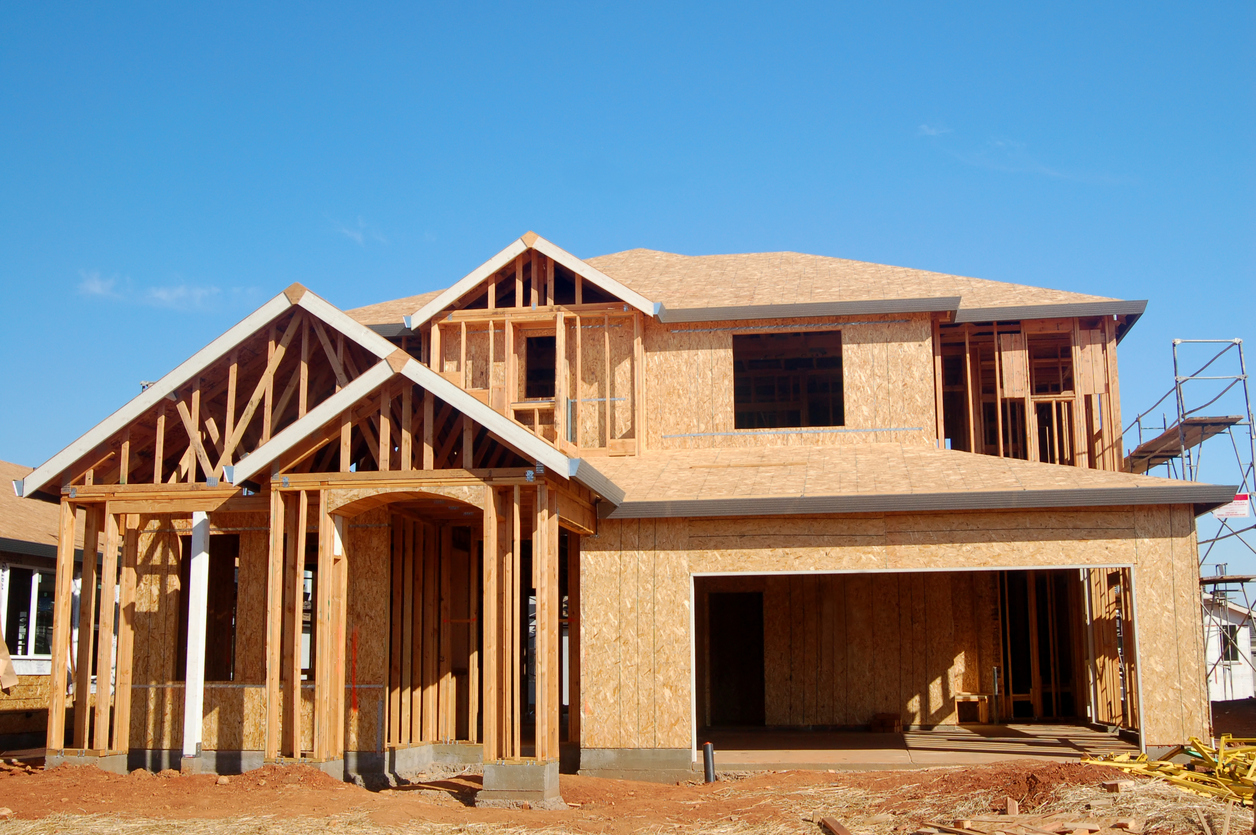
1059, 823
1226, 772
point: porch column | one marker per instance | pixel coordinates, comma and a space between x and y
61, 629
198, 602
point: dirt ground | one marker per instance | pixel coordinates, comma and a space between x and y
304, 800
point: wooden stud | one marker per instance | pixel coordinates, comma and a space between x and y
575, 420
124, 457
339, 635
87, 623
516, 648
429, 430
431, 630
126, 636
61, 628
473, 642
968, 385
638, 382
295, 616
606, 386
490, 652
437, 363
274, 622
492, 296
324, 588
468, 443
573, 637
998, 388
512, 369
409, 593
447, 697
159, 443
462, 355
407, 428
519, 281
540, 660
267, 383
937, 383
579, 289
303, 392
105, 630
560, 379
549, 281
385, 428
534, 289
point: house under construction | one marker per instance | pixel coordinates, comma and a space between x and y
596, 508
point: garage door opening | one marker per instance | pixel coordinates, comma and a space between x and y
894, 664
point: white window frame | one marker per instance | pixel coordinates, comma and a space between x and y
27, 661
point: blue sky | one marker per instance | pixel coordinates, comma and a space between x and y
164, 168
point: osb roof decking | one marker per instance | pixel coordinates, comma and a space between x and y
768, 278
391, 312
873, 477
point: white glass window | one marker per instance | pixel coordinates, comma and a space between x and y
26, 610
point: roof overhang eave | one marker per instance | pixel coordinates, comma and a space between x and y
1202, 497
871, 307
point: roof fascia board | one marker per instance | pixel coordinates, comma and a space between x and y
465, 284
593, 478
596, 276
292, 435
939, 304
1203, 496
347, 325
1113, 307
150, 396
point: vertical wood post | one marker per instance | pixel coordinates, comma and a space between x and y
573, 637
126, 636
104, 640
489, 610
937, 384
86, 627
274, 622
431, 632
447, 696
473, 642
514, 645
61, 628
198, 600
429, 431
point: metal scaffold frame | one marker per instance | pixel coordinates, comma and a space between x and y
1179, 447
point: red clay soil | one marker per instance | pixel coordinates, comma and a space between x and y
597, 805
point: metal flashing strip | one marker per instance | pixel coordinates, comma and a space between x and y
809, 326
1067, 310
936, 304
1203, 496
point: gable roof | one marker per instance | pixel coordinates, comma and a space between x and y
391, 361
433, 305
774, 284
873, 478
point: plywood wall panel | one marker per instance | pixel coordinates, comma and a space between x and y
250, 653
368, 550
887, 369
672, 606
777, 629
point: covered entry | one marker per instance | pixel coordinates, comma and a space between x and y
903, 651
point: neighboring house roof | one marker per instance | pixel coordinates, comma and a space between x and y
871, 478
711, 287
1241, 612
28, 527
391, 312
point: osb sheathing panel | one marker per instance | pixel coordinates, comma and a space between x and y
949, 650
368, 550
30, 693
157, 603
1170, 630
887, 370
250, 650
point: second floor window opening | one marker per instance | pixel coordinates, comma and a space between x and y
541, 362
787, 380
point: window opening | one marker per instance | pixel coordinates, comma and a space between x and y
28, 611
788, 380
541, 362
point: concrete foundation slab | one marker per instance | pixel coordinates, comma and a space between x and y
113, 763
656, 765
521, 784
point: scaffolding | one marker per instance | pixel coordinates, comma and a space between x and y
1214, 402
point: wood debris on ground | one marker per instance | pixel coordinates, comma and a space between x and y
1226, 771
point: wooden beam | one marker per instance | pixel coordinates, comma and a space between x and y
429, 430
606, 402
293, 605
126, 636
998, 388
515, 706
159, 444
385, 428
326, 655
491, 649
573, 638
447, 696
431, 632
519, 280
87, 624
937, 384
61, 614
473, 637
638, 382
339, 635
274, 623
104, 639
412, 692
968, 389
